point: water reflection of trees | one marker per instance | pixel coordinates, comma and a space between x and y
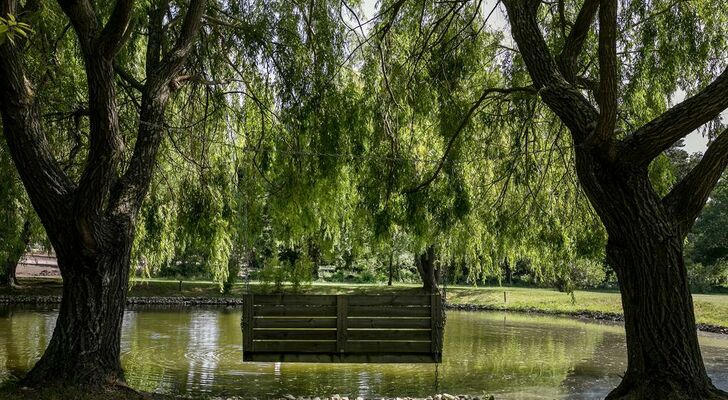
594, 376
181, 350
178, 350
24, 336
500, 352
154, 343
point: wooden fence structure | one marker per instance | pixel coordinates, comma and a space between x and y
343, 328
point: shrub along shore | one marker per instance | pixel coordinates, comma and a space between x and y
711, 310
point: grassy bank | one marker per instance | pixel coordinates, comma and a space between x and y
709, 308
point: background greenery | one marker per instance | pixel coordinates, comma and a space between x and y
313, 145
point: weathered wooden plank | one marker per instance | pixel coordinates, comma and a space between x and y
387, 347
402, 323
295, 299
291, 346
294, 334
295, 311
389, 300
356, 328
392, 311
340, 358
295, 322
390, 334
247, 322
341, 317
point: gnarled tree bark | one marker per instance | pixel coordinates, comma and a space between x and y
91, 223
645, 231
85, 345
645, 250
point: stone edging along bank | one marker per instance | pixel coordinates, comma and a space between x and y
172, 301
231, 301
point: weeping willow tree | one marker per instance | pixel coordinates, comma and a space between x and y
270, 131
89, 205
262, 165
15, 232
468, 185
612, 86
319, 135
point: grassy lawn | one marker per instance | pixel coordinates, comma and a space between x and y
709, 308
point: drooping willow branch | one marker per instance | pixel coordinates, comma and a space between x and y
463, 123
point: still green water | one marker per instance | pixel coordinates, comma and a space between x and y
198, 351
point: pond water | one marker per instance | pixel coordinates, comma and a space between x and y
513, 356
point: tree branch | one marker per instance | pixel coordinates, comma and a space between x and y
129, 193
156, 30
607, 95
172, 62
105, 140
658, 135
688, 197
562, 97
394, 9
574, 43
127, 77
83, 18
48, 187
114, 35
562, 17
463, 123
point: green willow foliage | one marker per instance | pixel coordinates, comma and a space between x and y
707, 247
505, 190
12, 199
11, 29
15, 212
301, 128
255, 147
296, 127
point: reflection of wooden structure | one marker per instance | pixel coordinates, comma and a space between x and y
343, 328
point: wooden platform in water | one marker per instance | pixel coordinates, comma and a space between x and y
343, 328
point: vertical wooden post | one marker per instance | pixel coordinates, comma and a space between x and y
341, 324
505, 297
248, 323
435, 325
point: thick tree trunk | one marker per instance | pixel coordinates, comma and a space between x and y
90, 222
11, 278
391, 269
664, 360
645, 230
645, 249
85, 346
428, 272
508, 271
